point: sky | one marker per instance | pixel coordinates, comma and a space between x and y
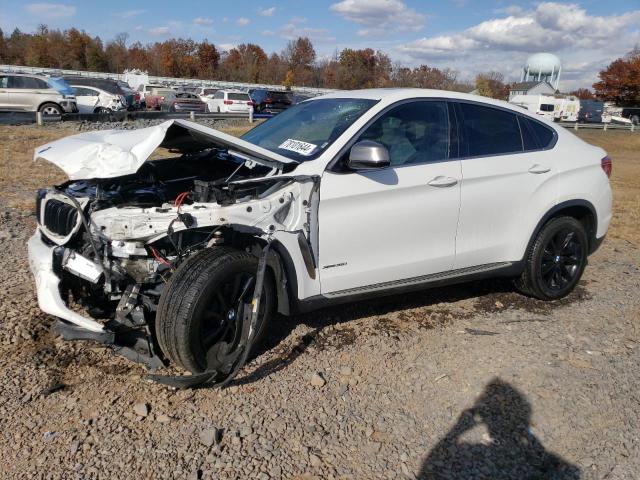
466, 35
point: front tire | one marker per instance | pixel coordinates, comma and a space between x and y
50, 109
556, 260
198, 314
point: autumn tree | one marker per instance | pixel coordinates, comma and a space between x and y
300, 57
492, 85
116, 51
244, 63
364, 68
208, 59
3, 47
620, 81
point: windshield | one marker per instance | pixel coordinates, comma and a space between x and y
304, 131
60, 85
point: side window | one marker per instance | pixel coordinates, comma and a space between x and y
82, 92
542, 134
219, 94
3, 82
489, 131
529, 140
40, 84
416, 132
26, 83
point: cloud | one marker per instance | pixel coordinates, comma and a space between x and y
291, 31
267, 12
267, 33
225, 47
129, 14
202, 21
50, 10
242, 21
379, 16
551, 26
585, 43
158, 31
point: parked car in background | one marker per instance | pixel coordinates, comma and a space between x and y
632, 113
230, 101
543, 105
156, 96
590, 111
132, 96
566, 109
113, 87
145, 89
36, 93
206, 93
270, 101
183, 102
348, 196
96, 100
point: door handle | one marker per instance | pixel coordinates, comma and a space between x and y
539, 169
441, 181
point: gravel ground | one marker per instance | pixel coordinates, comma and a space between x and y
472, 381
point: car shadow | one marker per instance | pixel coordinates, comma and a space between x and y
510, 451
282, 326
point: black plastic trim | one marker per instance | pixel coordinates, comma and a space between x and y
511, 269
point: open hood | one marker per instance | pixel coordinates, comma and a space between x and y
115, 153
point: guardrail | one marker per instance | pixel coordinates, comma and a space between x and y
601, 126
25, 118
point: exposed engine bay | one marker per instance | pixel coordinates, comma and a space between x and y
116, 241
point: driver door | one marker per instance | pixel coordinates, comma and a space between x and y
383, 227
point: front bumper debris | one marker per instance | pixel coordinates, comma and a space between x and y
132, 344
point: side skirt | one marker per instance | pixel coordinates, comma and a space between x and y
502, 269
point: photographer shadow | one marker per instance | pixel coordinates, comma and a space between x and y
511, 452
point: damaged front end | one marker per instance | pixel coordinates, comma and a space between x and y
109, 240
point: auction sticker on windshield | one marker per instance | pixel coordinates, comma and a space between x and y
298, 146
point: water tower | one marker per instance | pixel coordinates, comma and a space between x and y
542, 67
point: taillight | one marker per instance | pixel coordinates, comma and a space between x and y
228, 102
268, 100
251, 104
606, 165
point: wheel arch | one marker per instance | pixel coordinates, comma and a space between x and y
581, 210
42, 104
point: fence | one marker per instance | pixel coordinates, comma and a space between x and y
162, 80
601, 126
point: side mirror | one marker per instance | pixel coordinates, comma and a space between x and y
368, 154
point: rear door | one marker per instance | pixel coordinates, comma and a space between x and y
87, 99
508, 179
384, 227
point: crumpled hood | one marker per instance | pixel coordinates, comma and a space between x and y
115, 153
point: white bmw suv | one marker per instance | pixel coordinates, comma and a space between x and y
345, 196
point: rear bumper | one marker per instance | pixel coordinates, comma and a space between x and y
48, 283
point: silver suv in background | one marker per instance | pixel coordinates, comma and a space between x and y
36, 93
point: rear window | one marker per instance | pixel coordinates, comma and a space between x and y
279, 96
489, 131
238, 96
209, 91
547, 107
543, 134
164, 92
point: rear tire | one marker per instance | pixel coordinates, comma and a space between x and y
197, 310
556, 260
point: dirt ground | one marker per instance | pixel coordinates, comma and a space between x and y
471, 381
